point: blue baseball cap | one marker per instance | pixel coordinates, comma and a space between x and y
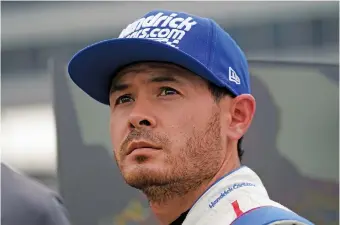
195, 43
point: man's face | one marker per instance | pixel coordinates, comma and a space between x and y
165, 128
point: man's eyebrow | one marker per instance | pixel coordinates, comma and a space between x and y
116, 86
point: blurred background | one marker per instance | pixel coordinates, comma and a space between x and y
53, 132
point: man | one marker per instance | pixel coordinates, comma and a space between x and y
178, 89
25, 201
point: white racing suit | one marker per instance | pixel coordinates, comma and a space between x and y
239, 198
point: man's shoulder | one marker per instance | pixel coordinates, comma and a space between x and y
19, 185
25, 199
249, 208
251, 205
270, 215
241, 199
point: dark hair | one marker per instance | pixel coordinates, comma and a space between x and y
218, 93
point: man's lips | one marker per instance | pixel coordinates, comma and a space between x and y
140, 144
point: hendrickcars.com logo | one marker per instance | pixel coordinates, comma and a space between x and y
229, 190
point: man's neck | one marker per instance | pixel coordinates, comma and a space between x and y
169, 211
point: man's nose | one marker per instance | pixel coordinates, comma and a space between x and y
142, 115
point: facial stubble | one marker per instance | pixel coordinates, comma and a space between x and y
196, 163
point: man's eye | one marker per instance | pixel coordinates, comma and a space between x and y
123, 99
168, 91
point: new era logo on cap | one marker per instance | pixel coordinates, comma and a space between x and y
168, 29
233, 76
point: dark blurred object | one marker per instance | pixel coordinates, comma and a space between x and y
25, 201
313, 198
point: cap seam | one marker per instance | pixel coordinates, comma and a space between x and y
210, 45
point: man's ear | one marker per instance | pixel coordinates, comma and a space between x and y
241, 112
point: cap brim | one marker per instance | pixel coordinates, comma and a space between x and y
93, 68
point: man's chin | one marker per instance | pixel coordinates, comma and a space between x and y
141, 177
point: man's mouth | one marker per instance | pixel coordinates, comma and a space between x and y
139, 145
